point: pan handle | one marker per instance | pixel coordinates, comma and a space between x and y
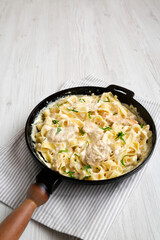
50, 180
116, 88
13, 226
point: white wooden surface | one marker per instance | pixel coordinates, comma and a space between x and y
45, 42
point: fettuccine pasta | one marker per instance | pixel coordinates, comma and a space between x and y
91, 137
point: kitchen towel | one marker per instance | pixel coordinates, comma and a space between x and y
83, 211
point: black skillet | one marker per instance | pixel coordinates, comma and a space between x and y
48, 180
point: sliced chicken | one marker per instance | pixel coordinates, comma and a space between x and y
92, 130
65, 134
124, 121
97, 152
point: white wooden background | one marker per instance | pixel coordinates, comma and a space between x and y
45, 42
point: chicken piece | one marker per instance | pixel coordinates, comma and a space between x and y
65, 134
97, 152
124, 121
93, 131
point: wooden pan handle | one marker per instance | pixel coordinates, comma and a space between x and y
13, 226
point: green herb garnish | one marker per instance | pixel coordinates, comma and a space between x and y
115, 113
87, 167
108, 100
58, 130
61, 151
57, 105
120, 135
69, 173
106, 128
86, 177
98, 100
73, 110
81, 131
81, 100
89, 114
55, 121
76, 155
141, 125
122, 160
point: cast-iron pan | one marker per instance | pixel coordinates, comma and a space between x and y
48, 180
124, 95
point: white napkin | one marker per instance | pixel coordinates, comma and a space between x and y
82, 211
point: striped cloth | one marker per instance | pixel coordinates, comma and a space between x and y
82, 211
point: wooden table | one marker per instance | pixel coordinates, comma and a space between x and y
44, 43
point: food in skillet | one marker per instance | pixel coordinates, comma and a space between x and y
91, 137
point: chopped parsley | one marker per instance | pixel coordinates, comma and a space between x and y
141, 125
69, 173
108, 100
61, 151
81, 131
89, 114
106, 128
122, 160
98, 100
76, 155
81, 100
120, 135
57, 105
73, 110
88, 143
58, 130
55, 121
86, 177
87, 167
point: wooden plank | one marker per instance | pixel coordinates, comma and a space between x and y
45, 43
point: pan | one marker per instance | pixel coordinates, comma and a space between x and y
48, 180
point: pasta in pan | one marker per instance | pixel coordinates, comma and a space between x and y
91, 137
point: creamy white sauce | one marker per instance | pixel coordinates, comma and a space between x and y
82, 142
64, 135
